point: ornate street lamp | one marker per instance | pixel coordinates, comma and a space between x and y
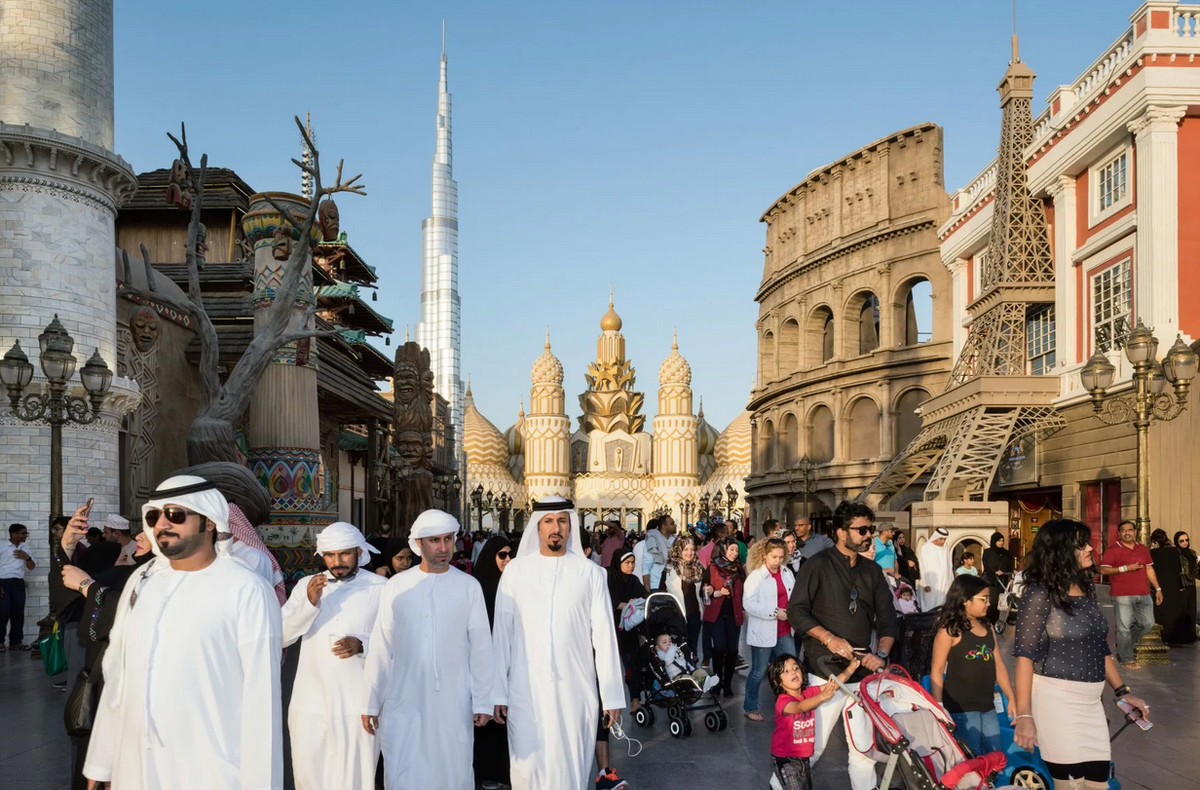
55, 406
731, 497
802, 478
704, 506
1148, 401
477, 502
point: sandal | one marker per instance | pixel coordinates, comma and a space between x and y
754, 716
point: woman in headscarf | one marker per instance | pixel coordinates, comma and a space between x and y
1187, 580
723, 613
906, 560
491, 740
624, 586
1177, 628
397, 557
997, 572
683, 577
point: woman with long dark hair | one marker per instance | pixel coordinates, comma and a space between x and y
624, 586
683, 577
1064, 660
1187, 579
1177, 628
723, 613
491, 740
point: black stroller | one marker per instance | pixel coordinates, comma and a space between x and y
683, 695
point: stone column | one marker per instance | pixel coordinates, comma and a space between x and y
1156, 258
60, 186
1065, 307
887, 417
958, 284
284, 424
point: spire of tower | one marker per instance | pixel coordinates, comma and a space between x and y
547, 338
675, 340
306, 157
439, 330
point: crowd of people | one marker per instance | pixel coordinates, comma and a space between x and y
522, 650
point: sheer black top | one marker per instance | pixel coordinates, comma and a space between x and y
1061, 645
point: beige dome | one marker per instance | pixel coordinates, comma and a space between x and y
706, 436
733, 445
675, 369
514, 437
611, 322
546, 368
483, 441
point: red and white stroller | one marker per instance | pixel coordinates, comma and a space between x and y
893, 720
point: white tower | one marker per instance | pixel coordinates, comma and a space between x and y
676, 460
547, 430
439, 329
60, 186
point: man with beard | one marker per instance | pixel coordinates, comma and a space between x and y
839, 599
556, 654
429, 666
191, 694
937, 570
333, 613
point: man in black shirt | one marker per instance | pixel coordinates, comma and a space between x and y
839, 602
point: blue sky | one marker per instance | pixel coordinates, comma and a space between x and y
635, 143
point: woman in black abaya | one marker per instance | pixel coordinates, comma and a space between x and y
491, 740
1183, 542
1177, 629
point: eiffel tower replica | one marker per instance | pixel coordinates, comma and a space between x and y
991, 400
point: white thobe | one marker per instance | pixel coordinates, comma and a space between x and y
191, 695
937, 573
330, 748
254, 559
428, 672
555, 641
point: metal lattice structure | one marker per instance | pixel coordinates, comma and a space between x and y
964, 437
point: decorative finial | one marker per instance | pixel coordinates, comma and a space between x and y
547, 346
468, 385
700, 414
406, 337
443, 37
1015, 51
610, 296
675, 340
521, 412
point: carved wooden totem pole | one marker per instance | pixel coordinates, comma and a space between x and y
409, 482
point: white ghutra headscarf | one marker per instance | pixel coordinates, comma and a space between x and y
531, 543
340, 536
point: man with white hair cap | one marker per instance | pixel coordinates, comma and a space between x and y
556, 653
937, 570
116, 530
191, 672
429, 666
332, 612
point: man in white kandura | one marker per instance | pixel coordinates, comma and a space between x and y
191, 672
429, 667
937, 570
333, 611
556, 653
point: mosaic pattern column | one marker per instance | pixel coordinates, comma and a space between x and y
284, 429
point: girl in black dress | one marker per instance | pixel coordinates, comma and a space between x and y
491, 740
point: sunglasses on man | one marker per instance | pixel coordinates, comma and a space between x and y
174, 514
867, 530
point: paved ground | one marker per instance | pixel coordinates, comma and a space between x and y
34, 751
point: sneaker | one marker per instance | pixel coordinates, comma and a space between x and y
61, 686
490, 784
608, 780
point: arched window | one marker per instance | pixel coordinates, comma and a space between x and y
868, 323
820, 437
790, 440
789, 348
767, 356
766, 445
914, 312
908, 422
864, 430
819, 336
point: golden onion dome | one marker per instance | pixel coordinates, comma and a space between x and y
611, 322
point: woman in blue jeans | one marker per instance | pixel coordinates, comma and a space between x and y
723, 612
967, 665
765, 598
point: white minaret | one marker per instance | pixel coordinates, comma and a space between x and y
439, 329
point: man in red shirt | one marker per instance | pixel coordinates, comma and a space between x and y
1129, 567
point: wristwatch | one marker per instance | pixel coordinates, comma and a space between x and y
881, 655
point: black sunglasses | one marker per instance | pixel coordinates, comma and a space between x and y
853, 600
176, 515
863, 530
504, 554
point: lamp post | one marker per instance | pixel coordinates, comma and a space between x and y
685, 510
505, 504
704, 506
477, 503
731, 497
55, 406
456, 485
802, 478
1146, 403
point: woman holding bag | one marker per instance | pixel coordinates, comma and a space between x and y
765, 599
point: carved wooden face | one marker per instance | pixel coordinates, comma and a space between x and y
406, 380
143, 324
281, 244
330, 220
179, 173
412, 448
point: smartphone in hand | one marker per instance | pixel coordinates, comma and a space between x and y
87, 509
1134, 715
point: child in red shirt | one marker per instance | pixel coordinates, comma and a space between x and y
795, 725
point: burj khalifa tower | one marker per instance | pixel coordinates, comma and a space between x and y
440, 328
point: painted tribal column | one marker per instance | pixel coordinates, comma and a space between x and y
284, 429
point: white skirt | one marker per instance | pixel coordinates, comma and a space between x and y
1070, 721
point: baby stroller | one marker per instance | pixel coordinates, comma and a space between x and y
894, 720
1010, 603
682, 696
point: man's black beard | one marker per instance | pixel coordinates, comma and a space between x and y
184, 546
352, 573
